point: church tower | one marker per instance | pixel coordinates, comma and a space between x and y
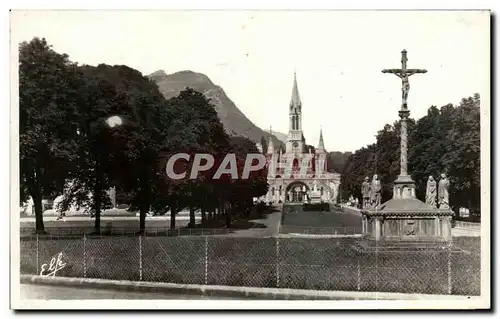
321, 155
295, 141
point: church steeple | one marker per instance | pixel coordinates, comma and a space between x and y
295, 142
321, 144
295, 102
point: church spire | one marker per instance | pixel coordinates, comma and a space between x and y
321, 145
295, 100
270, 144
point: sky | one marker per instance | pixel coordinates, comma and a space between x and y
337, 56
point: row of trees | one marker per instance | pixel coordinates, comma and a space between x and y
446, 140
84, 129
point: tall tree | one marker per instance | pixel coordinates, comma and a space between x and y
446, 140
195, 128
91, 174
462, 159
49, 92
137, 142
263, 142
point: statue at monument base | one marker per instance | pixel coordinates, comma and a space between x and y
444, 195
430, 193
375, 192
365, 192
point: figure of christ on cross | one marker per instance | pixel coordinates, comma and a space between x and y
404, 74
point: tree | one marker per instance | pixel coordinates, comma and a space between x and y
462, 158
49, 93
244, 190
263, 142
445, 140
336, 161
137, 142
91, 173
195, 128
360, 164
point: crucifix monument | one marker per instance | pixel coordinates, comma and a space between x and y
404, 73
404, 217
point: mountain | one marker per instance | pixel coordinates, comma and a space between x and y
234, 121
281, 136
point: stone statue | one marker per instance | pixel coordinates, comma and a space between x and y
405, 84
375, 191
431, 192
405, 87
443, 194
365, 192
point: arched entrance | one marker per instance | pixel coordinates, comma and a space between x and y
296, 192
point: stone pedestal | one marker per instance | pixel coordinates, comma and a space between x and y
315, 197
407, 220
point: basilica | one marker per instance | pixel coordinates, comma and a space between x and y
298, 175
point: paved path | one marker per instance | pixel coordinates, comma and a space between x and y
265, 226
104, 218
116, 223
269, 226
29, 291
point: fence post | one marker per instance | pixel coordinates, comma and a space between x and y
140, 257
84, 256
376, 265
277, 262
449, 268
359, 276
37, 256
206, 260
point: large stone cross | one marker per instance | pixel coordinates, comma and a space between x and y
404, 73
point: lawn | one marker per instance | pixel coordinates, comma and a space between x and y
294, 220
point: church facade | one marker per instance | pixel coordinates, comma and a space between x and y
298, 175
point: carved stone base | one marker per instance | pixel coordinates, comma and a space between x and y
404, 187
406, 219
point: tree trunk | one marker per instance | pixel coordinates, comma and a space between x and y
98, 197
37, 202
203, 216
227, 209
36, 196
173, 212
192, 220
144, 207
144, 210
97, 208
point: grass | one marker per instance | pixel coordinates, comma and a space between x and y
302, 263
294, 220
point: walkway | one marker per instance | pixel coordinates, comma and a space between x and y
268, 227
30, 291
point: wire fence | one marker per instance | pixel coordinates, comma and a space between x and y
300, 263
315, 230
127, 231
166, 231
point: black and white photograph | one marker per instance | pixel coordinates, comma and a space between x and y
250, 159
